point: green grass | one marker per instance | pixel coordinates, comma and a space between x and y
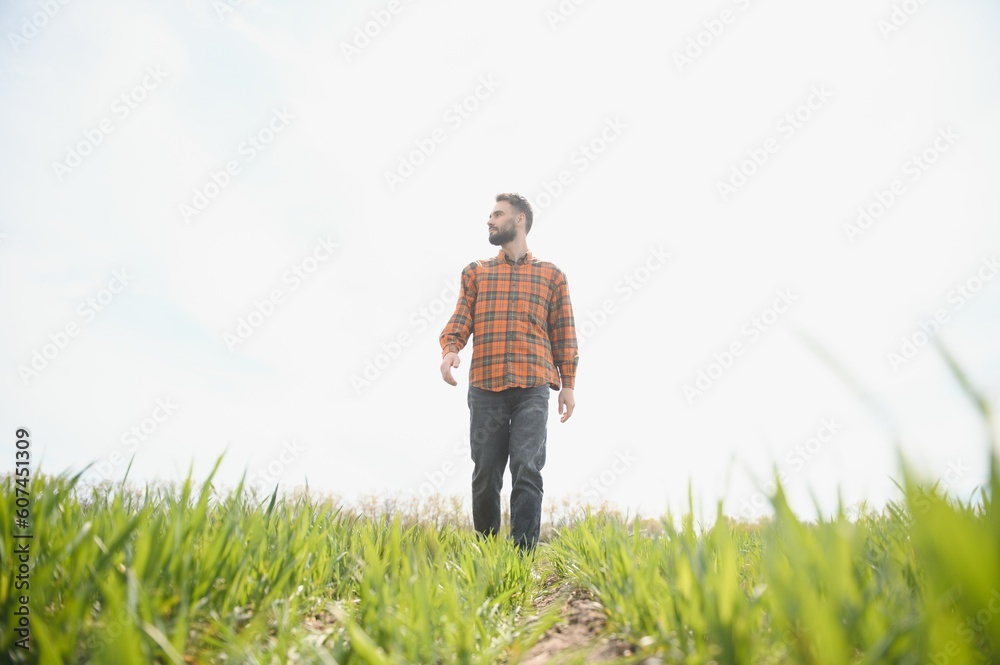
918, 582
168, 574
153, 576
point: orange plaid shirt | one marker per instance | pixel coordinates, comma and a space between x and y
521, 319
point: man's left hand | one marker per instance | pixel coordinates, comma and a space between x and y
567, 403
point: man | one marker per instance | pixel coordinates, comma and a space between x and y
518, 310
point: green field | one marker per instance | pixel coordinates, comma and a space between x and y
192, 574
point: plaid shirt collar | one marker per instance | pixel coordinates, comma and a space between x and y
524, 259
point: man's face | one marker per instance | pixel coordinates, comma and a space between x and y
501, 224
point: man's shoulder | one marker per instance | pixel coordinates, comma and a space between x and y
479, 264
548, 268
548, 265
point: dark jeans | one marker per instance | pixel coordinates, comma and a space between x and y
508, 424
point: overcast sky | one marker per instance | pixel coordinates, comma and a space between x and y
240, 226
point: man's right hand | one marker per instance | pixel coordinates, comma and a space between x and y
450, 360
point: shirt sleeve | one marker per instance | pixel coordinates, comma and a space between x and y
562, 332
459, 327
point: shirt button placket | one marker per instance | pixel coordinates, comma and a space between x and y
511, 314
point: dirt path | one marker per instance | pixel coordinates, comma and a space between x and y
577, 636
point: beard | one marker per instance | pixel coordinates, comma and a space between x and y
502, 235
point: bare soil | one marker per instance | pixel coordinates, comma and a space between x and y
578, 635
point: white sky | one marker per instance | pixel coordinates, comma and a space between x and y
554, 87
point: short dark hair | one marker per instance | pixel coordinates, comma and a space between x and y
520, 205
